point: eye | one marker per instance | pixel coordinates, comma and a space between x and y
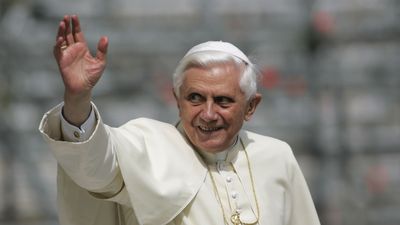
223, 101
195, 98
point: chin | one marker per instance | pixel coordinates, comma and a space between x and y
212, 148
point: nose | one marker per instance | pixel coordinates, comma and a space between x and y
209, 113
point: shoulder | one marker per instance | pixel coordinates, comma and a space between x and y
257, 140
268, 152
265, 146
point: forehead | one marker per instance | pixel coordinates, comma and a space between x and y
222, 77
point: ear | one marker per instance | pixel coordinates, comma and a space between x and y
252, 105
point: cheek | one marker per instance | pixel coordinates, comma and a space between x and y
188, 112
234, 121
234, 116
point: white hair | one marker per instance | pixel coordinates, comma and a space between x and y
247, 81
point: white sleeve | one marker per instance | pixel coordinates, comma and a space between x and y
90, 163
73, 133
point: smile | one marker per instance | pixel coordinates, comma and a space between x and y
209, 129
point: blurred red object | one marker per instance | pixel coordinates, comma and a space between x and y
377, 179
323, 22
270, 77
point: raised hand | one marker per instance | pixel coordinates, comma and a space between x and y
79, 69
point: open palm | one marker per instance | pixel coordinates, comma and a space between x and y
80, 70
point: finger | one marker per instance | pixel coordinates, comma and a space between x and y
102, 48
60, 42
68, 32
57, 50
76, 30
61, 30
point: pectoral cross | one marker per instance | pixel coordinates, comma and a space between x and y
235, 219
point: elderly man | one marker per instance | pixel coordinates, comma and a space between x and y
203, 170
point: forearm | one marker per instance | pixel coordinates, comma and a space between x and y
92, 164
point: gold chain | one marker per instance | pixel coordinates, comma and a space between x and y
217, 194
235, 218
252, 182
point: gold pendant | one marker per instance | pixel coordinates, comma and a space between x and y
235, 219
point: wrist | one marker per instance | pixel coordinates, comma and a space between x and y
77, 108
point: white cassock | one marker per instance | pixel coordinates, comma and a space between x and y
157, 178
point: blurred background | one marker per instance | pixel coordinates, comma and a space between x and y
330, 82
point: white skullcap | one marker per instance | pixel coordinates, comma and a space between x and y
219, 46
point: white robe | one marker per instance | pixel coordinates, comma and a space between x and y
166, 181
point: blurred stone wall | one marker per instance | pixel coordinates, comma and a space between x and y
330, 84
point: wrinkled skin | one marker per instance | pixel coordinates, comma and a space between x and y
212, 107
80, 70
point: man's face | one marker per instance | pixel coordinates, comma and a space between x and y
212, 107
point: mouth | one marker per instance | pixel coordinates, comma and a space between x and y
207, 129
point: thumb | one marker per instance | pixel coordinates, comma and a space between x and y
102, 48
